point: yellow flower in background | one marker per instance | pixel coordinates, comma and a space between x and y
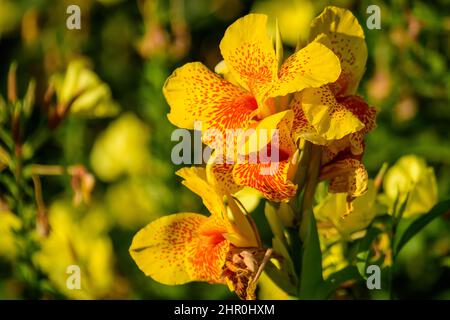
134, 202
195, 93
333, 259
9, 222
334, 209
410, 175
121, 149
332, 245
81, 92
222, 248
79, 240
293, 16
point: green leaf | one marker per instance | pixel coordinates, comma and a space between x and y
287, 265
295, 249
281, 279
335, 280
311, 273
399, 209
438, 210
363, 250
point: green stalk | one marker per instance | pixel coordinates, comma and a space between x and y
310, 186
300, 179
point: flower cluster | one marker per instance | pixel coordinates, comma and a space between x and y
305, 110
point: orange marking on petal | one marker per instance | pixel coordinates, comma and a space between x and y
195, 93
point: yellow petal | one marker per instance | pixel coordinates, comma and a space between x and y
219, 173
207, 253
180, 248
331, 119
249, 54
249, 197
347, 175
243, 225
310, 67
354, 141
347, 42
195, 93
269, 169
160, 251
277, 125
411, 176
196, 180
222, 69
301, 128
334, 208
271, 179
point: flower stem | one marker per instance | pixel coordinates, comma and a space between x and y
300, 179
310, 186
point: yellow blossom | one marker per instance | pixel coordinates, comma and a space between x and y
8, 224
81, 92
334, 209
121, 149
79, 241
411, 175
221, 248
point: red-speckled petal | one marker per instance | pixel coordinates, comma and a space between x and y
366, 115
355, 141
249, 54
331, 119
220, 173
180, 248
271, 179
159, 249
301, 128
346, 175
346, 39
206, 255
194, 93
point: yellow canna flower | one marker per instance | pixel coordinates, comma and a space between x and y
332, 115
222, 248
196, 94
410, 175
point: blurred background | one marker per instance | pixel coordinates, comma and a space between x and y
132, 47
